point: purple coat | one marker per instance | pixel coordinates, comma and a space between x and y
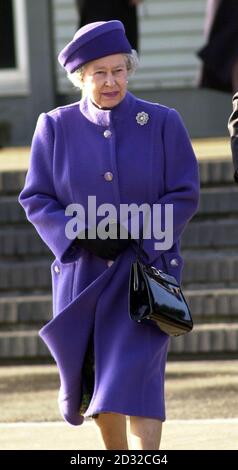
150, 163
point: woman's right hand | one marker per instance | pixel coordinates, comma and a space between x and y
109, 248
106, 249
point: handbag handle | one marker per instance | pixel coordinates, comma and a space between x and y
140, 252
136, 278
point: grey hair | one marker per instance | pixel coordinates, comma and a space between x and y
132, 63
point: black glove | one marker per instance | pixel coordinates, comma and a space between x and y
106, 249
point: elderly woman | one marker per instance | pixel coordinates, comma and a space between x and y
106, 151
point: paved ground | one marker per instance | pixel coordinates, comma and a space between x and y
177, 435
201, 401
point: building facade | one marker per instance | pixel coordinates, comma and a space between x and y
31, 80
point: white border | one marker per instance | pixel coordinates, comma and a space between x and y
16, 81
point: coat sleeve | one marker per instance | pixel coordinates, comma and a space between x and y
39, 199
233, 130
181, 182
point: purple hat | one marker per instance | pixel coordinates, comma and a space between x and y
93, 41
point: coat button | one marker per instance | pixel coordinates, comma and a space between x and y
174, 262
108, 176
107, 133
57, 269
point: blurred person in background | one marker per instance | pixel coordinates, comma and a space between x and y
219, 55
105, 10
233, 130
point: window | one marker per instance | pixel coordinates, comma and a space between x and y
13, 48
7, 39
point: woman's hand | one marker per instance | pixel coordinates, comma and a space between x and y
108, 249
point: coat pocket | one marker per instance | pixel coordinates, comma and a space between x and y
62, 276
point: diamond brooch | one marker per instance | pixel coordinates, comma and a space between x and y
142, 118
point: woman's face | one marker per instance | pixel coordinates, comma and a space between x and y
105, 80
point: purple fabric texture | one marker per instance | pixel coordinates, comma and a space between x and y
150, 163
93, 41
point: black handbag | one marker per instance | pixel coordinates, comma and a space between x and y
155, 296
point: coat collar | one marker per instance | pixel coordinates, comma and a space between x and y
102, 117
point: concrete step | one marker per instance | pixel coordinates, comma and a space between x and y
212, 172
205, 339
22, 344
213, 305
207, 306
222, 233
28, 275
216, 172
214, 269
218, 201
11, 212
11, 182
21, 241
17, 310
215, 202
